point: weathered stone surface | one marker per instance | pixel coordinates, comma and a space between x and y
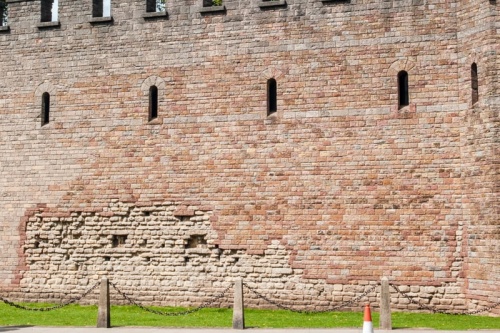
339, 187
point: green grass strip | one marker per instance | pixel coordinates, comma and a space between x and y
76, 315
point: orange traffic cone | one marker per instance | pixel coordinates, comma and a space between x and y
367, 320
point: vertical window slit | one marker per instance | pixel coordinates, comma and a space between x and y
153, 102
45, 108
155, 6
474, 83
210, 3
403, 90
272, 96
101, 8
49, 10
97, 8
3, 13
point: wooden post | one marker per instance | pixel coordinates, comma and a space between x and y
103, 316
385, 305
238, 310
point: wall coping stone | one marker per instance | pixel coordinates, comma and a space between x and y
212, 9
153, 15
105, 19
272, 3
52, 24
335, 1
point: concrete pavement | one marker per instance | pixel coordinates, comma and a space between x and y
38, 329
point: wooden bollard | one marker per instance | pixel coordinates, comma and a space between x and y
385, 305
238, 310
103, 316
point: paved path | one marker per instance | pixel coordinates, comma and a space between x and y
37, 329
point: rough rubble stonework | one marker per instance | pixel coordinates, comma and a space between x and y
311, 205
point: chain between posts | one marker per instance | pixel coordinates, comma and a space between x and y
71, 301
171, 314
428, 308
335, 308
258, 294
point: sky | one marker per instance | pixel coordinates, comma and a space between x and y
106, 12
55, 10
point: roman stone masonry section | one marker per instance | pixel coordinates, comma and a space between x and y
167, 254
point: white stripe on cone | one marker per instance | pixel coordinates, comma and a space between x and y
367, 327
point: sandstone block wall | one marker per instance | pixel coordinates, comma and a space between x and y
336, 189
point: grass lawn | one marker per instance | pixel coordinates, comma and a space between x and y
76, 315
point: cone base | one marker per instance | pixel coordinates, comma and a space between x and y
367, 327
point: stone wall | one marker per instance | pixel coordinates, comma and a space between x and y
480, 144
339, 187
160, 254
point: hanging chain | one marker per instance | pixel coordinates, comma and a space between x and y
258, 294
71, 301
433, 310
171, 314
335, 308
